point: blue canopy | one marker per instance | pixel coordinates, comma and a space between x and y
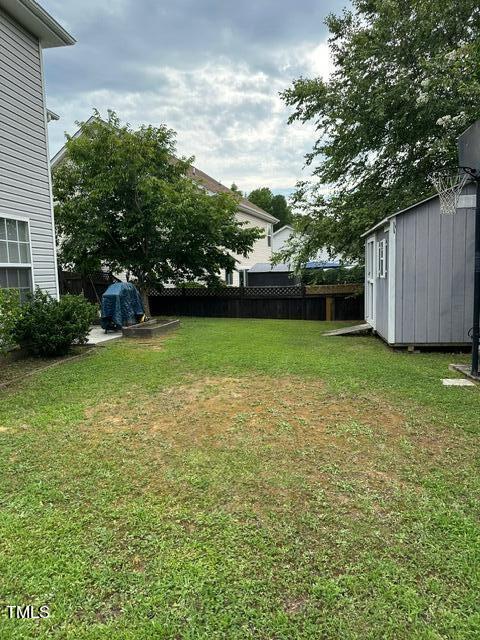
121, 306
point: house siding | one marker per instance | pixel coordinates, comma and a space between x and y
261, 252
280, 238
434, 275
24, 164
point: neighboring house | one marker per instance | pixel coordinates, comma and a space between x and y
419, 267
247, 212
254, 216
27, 236
281, 237
264, 274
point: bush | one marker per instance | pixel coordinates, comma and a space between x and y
48, 327
10, 311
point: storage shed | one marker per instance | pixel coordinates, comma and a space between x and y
419, 267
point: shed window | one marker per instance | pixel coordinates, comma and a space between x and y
15, 256
382, 259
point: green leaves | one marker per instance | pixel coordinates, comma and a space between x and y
48, 327
125, 201
406, 83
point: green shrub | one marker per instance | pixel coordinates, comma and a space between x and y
48, 327
10, 311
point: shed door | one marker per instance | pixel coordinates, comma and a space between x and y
370, 282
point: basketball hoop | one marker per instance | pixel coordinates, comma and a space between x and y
449, 187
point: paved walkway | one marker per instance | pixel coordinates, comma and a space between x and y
97, 335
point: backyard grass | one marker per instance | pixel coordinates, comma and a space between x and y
242, 479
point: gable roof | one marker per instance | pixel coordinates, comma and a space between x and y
214, 186
285, 226
202, 178
397, 213
38, 22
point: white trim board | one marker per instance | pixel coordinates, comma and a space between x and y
391, 274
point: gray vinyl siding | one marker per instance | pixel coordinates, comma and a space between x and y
381, 320
434, 275
24, 163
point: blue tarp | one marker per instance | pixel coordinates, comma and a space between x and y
121, 306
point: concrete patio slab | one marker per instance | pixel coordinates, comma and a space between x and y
97, 335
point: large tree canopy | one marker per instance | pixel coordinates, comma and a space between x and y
124, 201
406, 82
277, 205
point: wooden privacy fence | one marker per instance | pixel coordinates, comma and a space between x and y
92, 287
319, 302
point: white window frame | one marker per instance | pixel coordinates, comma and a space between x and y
20, 265
382, 259
243, 273
229, 278
270, 235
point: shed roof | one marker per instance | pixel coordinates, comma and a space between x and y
38, 22
267, 267
397, 213
284, 267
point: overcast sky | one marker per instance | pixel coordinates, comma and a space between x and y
210, 69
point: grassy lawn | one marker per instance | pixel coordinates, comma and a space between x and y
242, 479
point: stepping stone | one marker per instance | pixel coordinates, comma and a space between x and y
457, 382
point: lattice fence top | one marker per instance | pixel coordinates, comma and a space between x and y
232, 292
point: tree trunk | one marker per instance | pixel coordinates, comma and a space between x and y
146, 301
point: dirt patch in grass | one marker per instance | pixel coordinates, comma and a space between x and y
212, 407
266, 444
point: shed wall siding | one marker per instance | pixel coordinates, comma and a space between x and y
24, 163
434, 275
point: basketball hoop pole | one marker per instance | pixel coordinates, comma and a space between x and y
476, 285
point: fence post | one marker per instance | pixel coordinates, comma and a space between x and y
304, 302
330, 308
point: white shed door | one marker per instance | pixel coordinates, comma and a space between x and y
370, 282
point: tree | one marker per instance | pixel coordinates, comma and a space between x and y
406, 82
235, 189
125, 202
262, 197
281, 210
275, 205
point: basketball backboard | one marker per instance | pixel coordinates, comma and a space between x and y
469, 148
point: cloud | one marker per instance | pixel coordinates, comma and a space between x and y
211, 69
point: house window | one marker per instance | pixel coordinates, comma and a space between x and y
382, 259
269, 235
229, 278
15, 256
243, 277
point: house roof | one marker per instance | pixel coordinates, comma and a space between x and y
51, 115
202, 178
59, 156
217, 187
38, 22
285, 226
